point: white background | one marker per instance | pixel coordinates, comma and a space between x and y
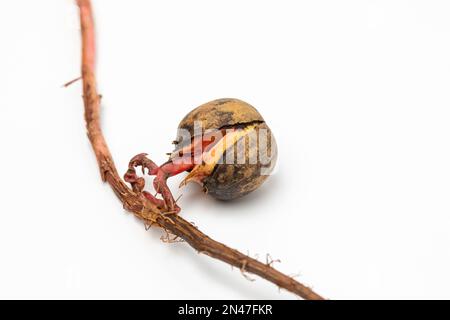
356, 92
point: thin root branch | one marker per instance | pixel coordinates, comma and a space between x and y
67, 84
270, 262
244, 271
170, 238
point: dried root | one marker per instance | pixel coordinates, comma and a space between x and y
145, 206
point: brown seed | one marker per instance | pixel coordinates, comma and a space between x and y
253, 148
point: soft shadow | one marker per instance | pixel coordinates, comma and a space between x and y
260, 197
231, 278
